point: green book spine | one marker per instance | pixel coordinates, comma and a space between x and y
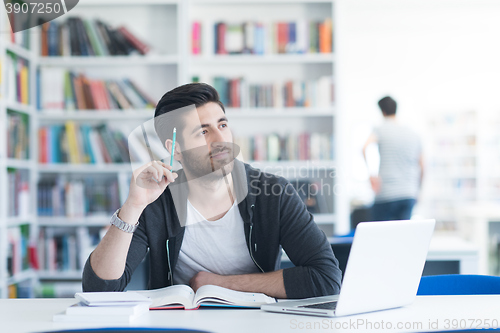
94, 40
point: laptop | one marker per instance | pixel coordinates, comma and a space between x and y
383, 271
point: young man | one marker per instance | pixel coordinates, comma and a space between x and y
218, 222
401, 167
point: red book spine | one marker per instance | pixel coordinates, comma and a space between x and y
33, 257
237, 88
102, 92
12, 24
307, 145
282, 37
234, 93
45, 45
104, 149
138, 44
43, 145
196, 38
222, 39
289, 94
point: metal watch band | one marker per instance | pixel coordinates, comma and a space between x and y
120, 224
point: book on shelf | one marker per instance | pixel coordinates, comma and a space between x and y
19, 254
183, 296
17, 79
62, 89
85, 37
82, 143
196, 38
239, 93
59, 289
61, 250
23, 289
89, 196
250, 37
18, 193
17, 135
21, 38
290, 147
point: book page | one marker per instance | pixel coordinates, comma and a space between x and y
173, 295
215, 294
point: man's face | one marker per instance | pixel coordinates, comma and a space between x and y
207, 142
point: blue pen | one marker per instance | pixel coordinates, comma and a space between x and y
173, 149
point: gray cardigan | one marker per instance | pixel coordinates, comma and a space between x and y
274, 216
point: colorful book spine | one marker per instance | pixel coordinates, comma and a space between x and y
81, 37
61, 196
61, 89
74, 143
17, 135
238, 93
18, 258
282, 37
17, 79
292, 147
18, 193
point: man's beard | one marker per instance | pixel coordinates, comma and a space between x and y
198, 162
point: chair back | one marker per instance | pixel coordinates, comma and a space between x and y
459, 284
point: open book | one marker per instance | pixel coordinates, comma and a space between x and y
182, 296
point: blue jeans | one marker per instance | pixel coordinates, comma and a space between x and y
393, 210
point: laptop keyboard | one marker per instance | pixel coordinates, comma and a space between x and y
326, 305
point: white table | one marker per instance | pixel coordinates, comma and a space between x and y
427, 313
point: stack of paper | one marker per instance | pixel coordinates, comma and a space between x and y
105, 307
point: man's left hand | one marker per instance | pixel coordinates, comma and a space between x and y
203, 278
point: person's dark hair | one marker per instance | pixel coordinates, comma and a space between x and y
388, 106
197, 94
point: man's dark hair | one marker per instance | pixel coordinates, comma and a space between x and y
197, 94
388, 106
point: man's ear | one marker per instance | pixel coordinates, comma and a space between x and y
177, 153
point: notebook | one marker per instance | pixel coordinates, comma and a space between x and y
383, 271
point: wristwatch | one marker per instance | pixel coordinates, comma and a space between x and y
120, 224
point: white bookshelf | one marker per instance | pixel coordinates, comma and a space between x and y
463, 163
166, 26
26, 277
157, 22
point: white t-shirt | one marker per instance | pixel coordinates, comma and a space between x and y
214, 246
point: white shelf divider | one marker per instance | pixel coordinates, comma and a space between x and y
114, 61
131, 114
270, 59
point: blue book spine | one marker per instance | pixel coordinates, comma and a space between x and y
48, 196
53, 39
38, 91
54, 144
65, 253
292, 37
216, 38
259, 38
